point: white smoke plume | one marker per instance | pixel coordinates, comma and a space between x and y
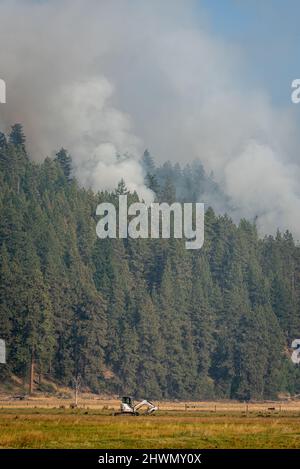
106, 78
99, 136
49, 55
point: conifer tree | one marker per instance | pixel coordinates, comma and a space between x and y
65, 162
16, 136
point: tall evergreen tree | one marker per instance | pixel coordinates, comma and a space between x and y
65, 162
16, 135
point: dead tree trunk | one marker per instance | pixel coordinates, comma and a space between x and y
31, 378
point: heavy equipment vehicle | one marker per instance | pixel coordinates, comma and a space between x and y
129, 407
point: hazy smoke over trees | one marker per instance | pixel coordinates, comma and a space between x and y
107, 78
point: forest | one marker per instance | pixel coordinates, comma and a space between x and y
143, 317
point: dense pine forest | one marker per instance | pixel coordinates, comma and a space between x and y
143, 317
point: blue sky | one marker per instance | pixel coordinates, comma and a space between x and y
269, 34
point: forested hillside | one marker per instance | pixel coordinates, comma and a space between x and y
144, 317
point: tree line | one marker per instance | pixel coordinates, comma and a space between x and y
144, 317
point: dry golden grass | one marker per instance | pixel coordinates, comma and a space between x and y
64, 428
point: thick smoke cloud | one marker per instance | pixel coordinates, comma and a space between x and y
107, 78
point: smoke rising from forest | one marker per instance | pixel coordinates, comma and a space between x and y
107, 79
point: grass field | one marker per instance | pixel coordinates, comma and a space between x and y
29, 427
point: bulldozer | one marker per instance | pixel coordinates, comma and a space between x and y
129, 407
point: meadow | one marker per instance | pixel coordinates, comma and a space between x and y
183, 427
